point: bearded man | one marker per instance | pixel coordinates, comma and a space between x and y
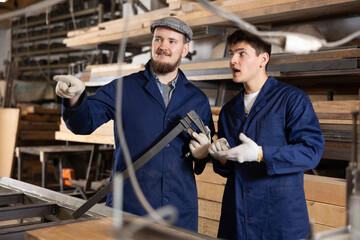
153, 102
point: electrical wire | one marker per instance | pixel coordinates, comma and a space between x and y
139, 223
289, 41
71, 10
120, 131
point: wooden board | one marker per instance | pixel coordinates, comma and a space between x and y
327, 214
208, 227
325, 189
9, 119
102, 229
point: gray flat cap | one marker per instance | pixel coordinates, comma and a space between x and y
173, 23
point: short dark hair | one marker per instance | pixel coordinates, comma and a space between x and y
242, 36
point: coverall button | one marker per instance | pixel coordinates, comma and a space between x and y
168, 145
166, 199
247, 190
249, 219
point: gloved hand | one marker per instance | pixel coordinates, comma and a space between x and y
199, 146
68, 86
248, 151
218, 146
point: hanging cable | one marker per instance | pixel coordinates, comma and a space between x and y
71, 10
289, 41
28, 51
120, 131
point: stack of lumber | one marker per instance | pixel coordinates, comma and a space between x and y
323, 63
103, 135
38, 122
336, 124
325, 198
255, 12
210, 192
326, 201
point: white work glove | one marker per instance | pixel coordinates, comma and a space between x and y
199, 146
248, 151
68, 86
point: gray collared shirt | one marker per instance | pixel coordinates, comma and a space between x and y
166, 90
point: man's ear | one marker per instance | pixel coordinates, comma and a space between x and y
264, 59
185, 50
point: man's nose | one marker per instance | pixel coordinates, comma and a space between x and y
233, 59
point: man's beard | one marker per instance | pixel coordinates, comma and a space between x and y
163, 68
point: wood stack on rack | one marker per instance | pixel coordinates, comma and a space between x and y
38, 123
336, 124
325, 198
103, 135
255, 12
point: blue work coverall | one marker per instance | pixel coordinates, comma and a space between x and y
266, 200
168, 178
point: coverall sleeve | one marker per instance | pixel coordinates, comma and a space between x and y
92, 112
304, 143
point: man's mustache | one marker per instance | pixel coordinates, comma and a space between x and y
162, 52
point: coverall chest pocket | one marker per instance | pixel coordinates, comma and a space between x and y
271, 130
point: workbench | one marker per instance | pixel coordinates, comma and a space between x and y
46, 153
102, 229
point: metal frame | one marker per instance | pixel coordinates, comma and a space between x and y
33, 207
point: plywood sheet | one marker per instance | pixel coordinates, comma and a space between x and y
9, 120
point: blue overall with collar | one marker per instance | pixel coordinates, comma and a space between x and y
168, 178
266, 200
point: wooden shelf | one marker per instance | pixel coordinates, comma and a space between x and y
40, 37
54, 66
57, 18
256, 12
45, 52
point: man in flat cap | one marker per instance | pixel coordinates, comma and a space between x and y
154, 100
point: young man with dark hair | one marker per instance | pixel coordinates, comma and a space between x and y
154, 100
269, 135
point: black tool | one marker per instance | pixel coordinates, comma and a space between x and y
184, 125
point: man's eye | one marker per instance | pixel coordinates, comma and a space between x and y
157, 40
242, 54
172, 42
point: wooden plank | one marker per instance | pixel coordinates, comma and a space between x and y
320, 228
99, 139
102, 229
41, 118
215, 110
107, 129
9, 119
210, 191
208, 227
27, 125
36, 135
336, 106
337, 151
209, 176
325, 189
315, 56
327, 214
209, 209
